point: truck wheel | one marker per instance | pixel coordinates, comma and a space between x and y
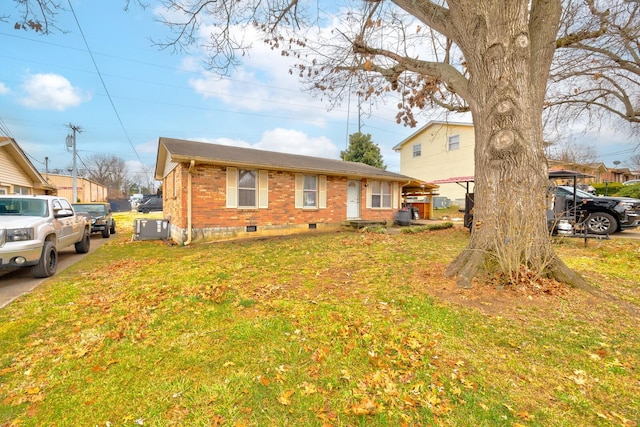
601, 223
82, 247
105, 232
48, 263
112, 230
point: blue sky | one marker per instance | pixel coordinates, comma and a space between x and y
125, 93
49, 81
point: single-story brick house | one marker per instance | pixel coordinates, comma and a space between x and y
213, 191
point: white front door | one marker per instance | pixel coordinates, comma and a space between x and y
353, 199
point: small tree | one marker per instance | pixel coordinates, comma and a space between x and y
363, 150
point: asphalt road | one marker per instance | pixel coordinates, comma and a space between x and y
15, 283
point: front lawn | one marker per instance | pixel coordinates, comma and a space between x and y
339, 329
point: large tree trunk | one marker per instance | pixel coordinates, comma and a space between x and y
508, 67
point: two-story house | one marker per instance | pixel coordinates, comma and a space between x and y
440, 152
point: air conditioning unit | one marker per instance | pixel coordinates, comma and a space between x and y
151, 229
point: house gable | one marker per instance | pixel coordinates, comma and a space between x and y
17, 173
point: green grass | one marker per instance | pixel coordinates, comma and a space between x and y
339, 329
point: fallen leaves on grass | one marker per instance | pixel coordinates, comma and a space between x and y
285, 397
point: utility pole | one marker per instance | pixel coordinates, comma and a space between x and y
46, 169
359, 115
71, 143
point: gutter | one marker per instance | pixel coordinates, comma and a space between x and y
192, 164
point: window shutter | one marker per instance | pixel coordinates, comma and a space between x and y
322, 192
368, 202
299, 190
263, 189
395, 193
232, 187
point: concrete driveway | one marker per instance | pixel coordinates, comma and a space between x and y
15, 283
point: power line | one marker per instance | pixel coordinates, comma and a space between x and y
4, 130
104, 86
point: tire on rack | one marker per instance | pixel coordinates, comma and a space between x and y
48, 263
601, 223
82, 247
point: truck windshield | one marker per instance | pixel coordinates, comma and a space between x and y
90, 209
23, 207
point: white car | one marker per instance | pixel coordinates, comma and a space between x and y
631, 182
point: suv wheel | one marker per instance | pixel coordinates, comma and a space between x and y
601, 223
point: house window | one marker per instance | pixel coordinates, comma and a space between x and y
247, 180
310, 191
417, 150
454, 142
20, 190
380, 194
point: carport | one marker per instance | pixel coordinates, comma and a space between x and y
557, 210
418, 197
465, 182
559, 206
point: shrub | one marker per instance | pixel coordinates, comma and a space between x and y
630, 191
429, 227
376, 230
607, 188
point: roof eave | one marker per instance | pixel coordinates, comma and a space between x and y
252, 165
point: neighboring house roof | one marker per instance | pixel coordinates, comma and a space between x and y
178, 150
23, 162
596, 167
455, 180
411, 137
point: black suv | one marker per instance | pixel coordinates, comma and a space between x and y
153, 203
600, 215
100, 215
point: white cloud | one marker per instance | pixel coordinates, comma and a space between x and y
296, 142
263, 83
150, 146
51, 92
284, 141
3, 89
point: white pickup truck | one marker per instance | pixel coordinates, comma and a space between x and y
34, 228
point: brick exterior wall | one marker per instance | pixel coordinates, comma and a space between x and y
211, 219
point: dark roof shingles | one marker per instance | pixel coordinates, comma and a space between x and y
225, 154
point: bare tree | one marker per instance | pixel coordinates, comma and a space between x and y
41, 15
571, 152
35, 15
596, 72
108, 170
